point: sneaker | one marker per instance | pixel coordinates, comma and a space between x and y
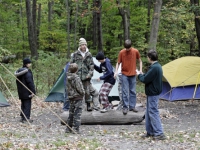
147, 135
133, 109
105, 109
159, 137
125, 111
25, 121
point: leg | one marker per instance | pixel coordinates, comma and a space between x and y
86, 86
77, 115
125, 91
120, 105
103, 94
70, 118
95, 97
154, 116
132, 93
148, 126
27, 108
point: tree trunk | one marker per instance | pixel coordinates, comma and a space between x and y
155, 25
97, 25
31, 32
125, 14
38, 25
75, 26
195, 3
112, 117
68, 28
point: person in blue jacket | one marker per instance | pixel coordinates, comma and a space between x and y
66, 100
109, 80
153, 87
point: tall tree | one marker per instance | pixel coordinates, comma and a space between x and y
155, 25
196, 10
68, 28
31, 32
124, 11
97, 25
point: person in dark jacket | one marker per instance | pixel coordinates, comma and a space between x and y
153, 87
75, 96
109, 80
26, 89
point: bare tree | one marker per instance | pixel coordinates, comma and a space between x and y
97, 25
68, 28
31, 32
155, 24
124, 11
75, 24
38, 25
195, 4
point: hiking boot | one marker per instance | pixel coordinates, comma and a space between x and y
125, 111
76, 131
147, 135
89, 107
159, 137
68, 130
133, 109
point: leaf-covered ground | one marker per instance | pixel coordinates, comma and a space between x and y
181, 122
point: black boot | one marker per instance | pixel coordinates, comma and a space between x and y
68, 130
89, 107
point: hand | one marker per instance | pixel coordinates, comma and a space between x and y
137, 72
115, 75
98, 80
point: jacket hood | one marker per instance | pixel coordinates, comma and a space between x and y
71, 76
21, 71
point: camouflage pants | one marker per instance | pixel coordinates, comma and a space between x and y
91, 91
75, 111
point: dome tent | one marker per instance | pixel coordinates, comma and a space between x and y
180, 78
3, 101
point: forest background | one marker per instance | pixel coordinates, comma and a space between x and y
47, 31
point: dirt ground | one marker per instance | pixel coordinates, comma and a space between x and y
180, 122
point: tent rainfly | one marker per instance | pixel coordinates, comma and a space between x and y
56, 94
180, 79
3, 101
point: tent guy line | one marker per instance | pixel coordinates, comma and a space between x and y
37, 98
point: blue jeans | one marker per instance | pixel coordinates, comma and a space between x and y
152, 117
129, 91
66, 102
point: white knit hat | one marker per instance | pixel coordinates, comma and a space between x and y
82, 41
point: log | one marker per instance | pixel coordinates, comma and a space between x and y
112, 117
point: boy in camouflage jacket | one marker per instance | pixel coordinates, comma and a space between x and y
75, 94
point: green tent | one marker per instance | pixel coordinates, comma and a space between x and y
56, 94
3, 101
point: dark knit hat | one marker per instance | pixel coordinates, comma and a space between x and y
100, 56
26, 61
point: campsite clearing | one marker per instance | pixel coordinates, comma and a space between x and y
181, 126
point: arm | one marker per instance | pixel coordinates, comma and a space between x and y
140, 61
97, 68
29, 82
147, 77
116, 70
79, 86
91, 67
